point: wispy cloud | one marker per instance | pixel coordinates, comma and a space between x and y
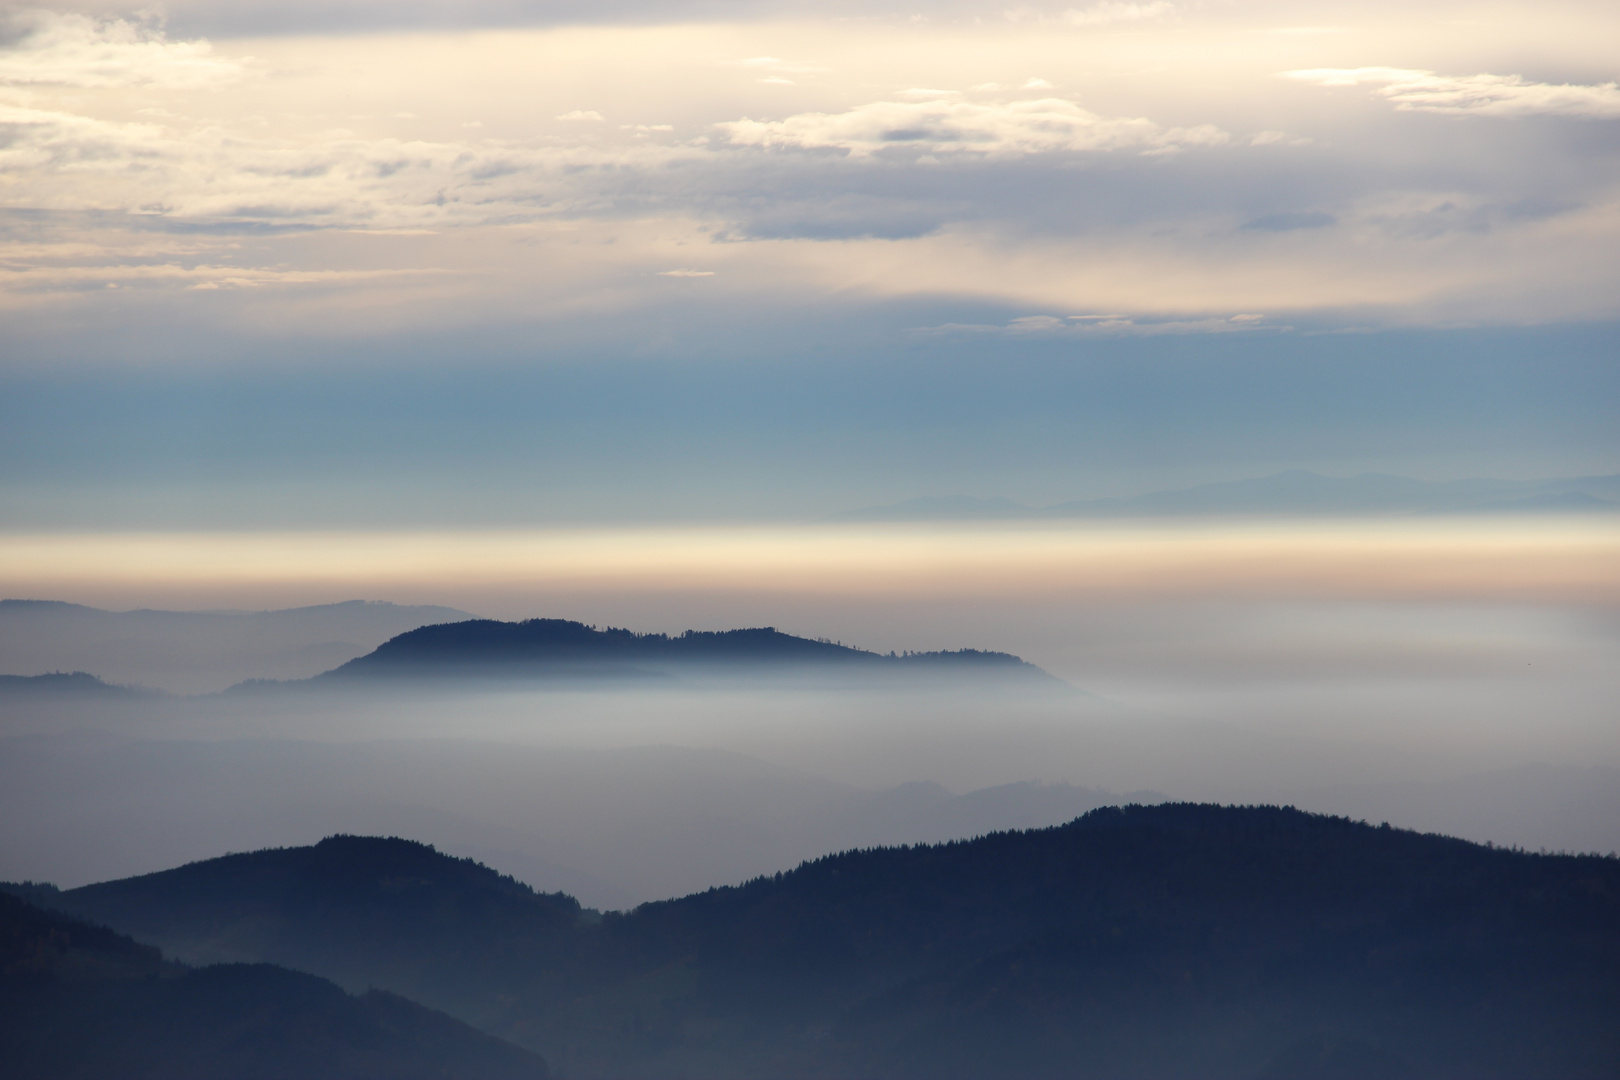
1104, 13
947, 126
57, 49
59, 160
1473, 95
1054, 326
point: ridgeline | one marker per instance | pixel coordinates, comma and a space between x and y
1172, 941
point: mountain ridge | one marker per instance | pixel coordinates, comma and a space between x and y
80, 1000
562, 649
1169, 941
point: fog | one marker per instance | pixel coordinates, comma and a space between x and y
1429, 677
621, 795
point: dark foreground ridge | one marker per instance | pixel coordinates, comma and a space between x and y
80, 1001
1175, 941
560, 648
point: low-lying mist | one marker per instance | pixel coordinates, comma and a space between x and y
621, 795
1391, 673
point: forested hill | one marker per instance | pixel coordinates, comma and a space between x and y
65, 685
1168, 941
486, 647
80, 1001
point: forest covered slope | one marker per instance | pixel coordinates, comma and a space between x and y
1174, 941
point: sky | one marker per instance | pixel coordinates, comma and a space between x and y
417, 265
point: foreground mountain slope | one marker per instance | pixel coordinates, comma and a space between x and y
82, 1001
1169, 941
363, 911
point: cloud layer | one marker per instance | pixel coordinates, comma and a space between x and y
74, 50
1474, 95
941, 124
1134, 158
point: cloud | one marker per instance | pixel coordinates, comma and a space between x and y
1104, 13
57, 49
1278, 138
63, 161
1473, 95
581, 114
1073, 326
772, 63
1288, 222
196, 277
685, 272
942, 126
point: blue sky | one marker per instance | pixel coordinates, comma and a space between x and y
408, 264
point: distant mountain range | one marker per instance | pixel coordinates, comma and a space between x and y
1296, 492
1173, 941
66, 684
561, 649
192, 652
80, 1002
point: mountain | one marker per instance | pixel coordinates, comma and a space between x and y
82, 1001
1295, 492
561, 649
67, 685
198, 651
1166, 941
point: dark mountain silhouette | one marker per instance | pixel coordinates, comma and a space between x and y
1296, 491
82, 1001
559, 648
1168, 941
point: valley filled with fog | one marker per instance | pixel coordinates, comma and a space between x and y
1486, 717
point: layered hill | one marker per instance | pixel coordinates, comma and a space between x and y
66, 685
78, 1000
1170, 941
563, 649
192, 652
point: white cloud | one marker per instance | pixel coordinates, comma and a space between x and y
58, 160
686, 273
1048, 326
582, 114
775, 64
1113, 12
1278, 138
943, 126
58, 49
1473, 95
